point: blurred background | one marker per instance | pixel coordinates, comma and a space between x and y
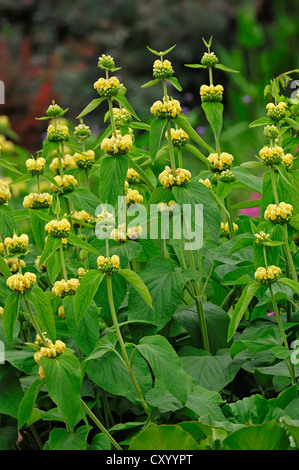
49, 50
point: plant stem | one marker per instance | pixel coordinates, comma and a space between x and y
60, 156
99, 425
63, 263
38, 184
180, 159
274, 188
111, 110
285, 341
211, 75
34, 322
170, 147
229, 218
122, 344
198, 302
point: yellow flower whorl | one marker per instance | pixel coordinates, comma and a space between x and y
280, 214
267, 276
21, 282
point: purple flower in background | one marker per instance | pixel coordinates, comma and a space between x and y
252, 211
188, 97
95, 129
201, 130
246, 99
270, 314
185, 110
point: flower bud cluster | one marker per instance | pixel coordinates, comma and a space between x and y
276, 112
162, 69
169, 108
37, 201
35, 167
58, 133
279, 214
211, 92
63, 288
58, 228
17, 244
267, 276
222, 161
84, 160
168, 179
108, 265
179, 137
119, 145
66, 184
21, 282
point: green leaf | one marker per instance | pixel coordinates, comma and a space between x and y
151, 83
214, 111
132, 278
122, 100
100, 442
11, 392
77, 241
241, 306
92, 105
165, 283
110, 373
44, 311
263, 121
161, 53
49, 177
182, 121
174, 81
52, 244
165, 364
266, 436
292, 123
84, 199
198, 154
252, 410
156, 133
48, 148
208, 44
62, 439
53, 266
38, 225
196, 66
63, 380
247, 204
225, 69
86, 332
8, 437
290, 283
139, 170
10, 315
211, 372
163, 437
9, 166
4, 269
248, 179
28, 402
111, 187
86, 292
7, 221
197, 193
